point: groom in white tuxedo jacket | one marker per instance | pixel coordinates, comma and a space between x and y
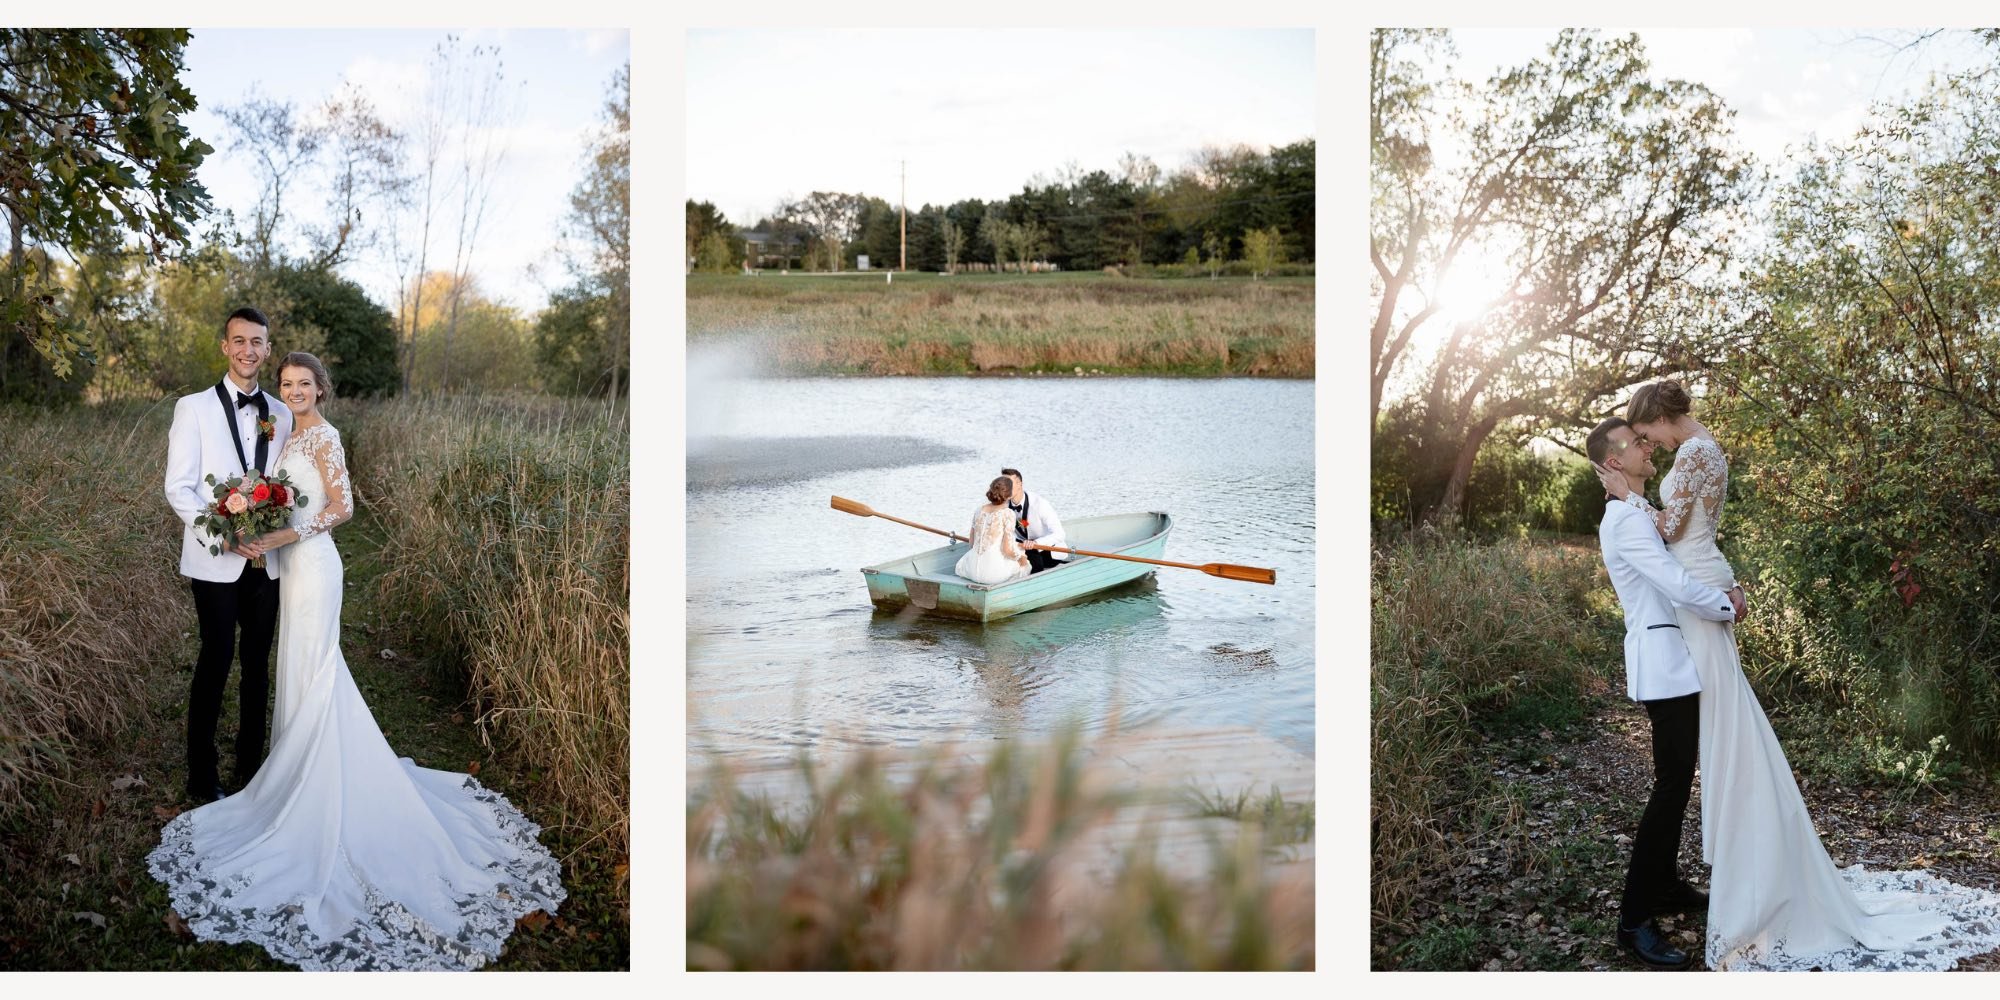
1660, 674
224, 430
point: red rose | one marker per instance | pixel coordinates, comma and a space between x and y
280, 494
221, 507
261, 493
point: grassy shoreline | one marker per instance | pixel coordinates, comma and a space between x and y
1049, 324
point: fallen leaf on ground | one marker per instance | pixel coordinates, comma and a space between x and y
165, 813
178, 926
73, 859
533, 921
95, 918
128, 781
472, 768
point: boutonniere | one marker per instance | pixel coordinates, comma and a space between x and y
267, 426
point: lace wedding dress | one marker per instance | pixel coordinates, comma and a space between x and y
1776, 900
991, 559
338, 854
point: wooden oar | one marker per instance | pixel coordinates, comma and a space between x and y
862, 509
1227, 571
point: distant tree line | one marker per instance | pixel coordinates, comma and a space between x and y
1228, 204
110, 290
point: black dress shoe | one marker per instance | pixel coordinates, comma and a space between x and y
1684, 899
1648, 945
206, 792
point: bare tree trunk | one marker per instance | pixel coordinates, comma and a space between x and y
480, 156
433, 129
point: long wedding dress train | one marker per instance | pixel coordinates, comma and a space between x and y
1776, 899
338, 854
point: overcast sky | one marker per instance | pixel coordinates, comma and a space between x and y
977, 113
564, 73
1784, 83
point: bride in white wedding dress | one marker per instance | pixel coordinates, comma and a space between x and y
1776, 900
991, 555
338, 854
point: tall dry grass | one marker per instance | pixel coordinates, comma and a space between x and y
966, 866
926, 324
508, 524
89, 590
1466, 637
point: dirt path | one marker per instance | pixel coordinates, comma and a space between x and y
1537, 868
78, 892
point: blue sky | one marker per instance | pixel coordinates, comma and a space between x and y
977, 113
563, 72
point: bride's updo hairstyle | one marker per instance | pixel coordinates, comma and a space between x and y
1001, 489
300, 359
1666, 399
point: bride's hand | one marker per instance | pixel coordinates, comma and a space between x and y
1614, 483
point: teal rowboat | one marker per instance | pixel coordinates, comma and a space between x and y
926, 580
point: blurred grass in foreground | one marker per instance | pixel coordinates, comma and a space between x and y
976, 867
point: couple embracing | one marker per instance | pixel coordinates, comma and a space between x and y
331, 853
1014, 534
1776, 901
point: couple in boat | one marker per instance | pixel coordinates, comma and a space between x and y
1009, 534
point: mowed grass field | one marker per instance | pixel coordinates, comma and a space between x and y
929, 324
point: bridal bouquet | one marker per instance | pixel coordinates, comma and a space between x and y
247, 506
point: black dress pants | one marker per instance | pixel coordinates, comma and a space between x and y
1676, 744
1041, 559
246, 608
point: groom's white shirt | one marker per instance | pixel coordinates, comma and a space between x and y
1044, 528
198, 444
1650, 584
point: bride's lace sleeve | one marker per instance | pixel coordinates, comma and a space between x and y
1700, 478
1004, 526
337, 506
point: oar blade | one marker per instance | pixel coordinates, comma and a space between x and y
1248, 574
852, 507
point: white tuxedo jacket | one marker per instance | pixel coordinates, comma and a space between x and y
1044, 527
1650, 584
203, 441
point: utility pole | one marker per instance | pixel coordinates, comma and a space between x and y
903, 223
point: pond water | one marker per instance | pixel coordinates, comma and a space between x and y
785, 650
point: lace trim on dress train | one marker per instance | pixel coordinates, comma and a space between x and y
390, 936
1972, 928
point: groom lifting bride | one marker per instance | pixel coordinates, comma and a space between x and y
1776, 900
1659, 674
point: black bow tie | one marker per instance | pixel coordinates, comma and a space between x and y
243, 400
1014, 506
